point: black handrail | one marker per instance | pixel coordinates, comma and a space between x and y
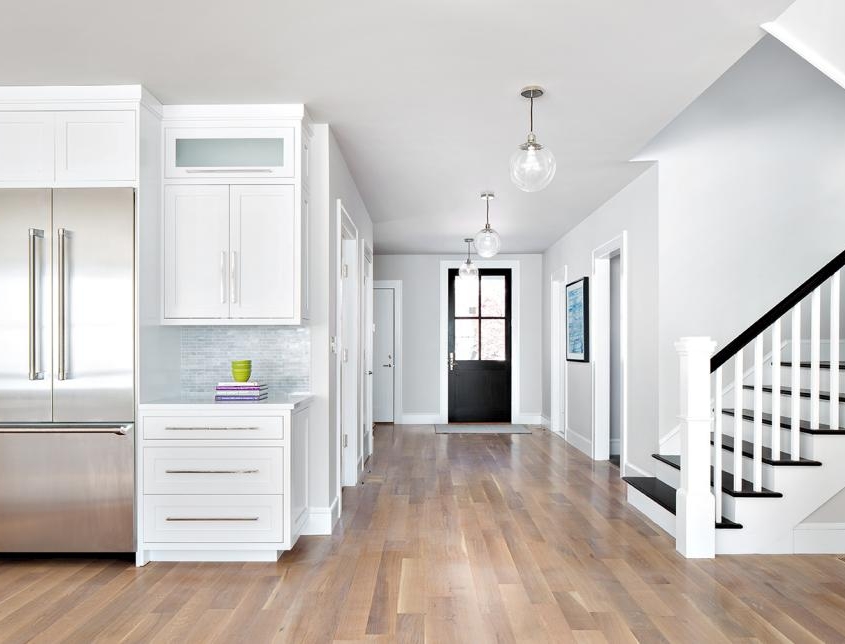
777, 311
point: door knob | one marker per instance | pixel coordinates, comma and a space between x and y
369, 373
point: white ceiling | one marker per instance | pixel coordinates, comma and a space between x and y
423, 96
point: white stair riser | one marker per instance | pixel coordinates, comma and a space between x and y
668, 474
786, 406
769, 471
786, 378
806, 440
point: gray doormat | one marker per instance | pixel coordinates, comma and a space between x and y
479, 428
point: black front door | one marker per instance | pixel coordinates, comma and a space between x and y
480, 347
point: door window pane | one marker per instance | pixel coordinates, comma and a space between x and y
466, 339
466, 297
493, 340
493, 296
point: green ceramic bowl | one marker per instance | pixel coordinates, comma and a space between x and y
241, 363
241, 374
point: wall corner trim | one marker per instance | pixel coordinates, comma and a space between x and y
806, 52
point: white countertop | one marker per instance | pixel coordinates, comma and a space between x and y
275, 401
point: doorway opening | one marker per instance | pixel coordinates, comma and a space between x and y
479, 346
387, 349
366, 371
609, 319
558, 420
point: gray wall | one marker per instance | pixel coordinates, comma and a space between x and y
634, 210
752, 198
420, 276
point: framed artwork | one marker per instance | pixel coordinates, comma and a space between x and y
578, 321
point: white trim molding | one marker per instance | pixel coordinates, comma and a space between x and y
321, 520
513, 265
559, 370
805, 51
421, 419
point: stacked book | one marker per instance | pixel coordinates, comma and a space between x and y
240, 392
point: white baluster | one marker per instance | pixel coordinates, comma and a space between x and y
738, 377
758, 416
815, 355
717, 445
795, 393
695, 530
776, 393
834, 351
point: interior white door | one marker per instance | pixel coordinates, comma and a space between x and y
367, 362
263, 275
384, 355
352, 455
196, 252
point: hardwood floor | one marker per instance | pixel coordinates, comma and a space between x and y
471, 538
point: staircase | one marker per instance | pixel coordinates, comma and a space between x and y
762, 450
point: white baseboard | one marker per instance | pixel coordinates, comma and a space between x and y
546, 422
321, 520
529, 419
671, 442
216, 556
819, 538
631, 469
579, 441
422, 419
657, 513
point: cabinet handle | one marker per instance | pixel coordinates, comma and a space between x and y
211, 471
223, 277
219, 170
211, 519
210, 429
34, 374
233, 277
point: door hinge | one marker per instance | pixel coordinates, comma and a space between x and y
345, 441
344, 272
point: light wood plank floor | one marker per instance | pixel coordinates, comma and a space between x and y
468, 538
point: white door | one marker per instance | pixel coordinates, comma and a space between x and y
27, 147
95, 146
383, 355
263, 270
367, 363
196, 252
352, 454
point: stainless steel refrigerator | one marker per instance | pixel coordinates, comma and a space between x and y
67, 354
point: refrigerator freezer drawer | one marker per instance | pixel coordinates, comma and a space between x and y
67, 488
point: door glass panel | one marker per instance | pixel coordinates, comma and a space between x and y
493, 340
230, 153
466, 297
466, 339
493, 296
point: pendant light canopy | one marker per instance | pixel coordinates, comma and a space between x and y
532, 165
468, 270
487, 240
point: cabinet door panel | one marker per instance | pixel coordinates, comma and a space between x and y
265, 255
26, 147
95, 146
196, 252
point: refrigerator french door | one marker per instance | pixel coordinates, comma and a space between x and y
67, 370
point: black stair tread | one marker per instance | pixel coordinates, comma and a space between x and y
824, 364
786, 422
748, 450
664, 496
805, 393
727, 480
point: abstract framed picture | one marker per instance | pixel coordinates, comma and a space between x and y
578, 321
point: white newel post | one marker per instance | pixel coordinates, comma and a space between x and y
695, 528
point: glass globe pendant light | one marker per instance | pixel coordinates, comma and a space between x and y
532, 165
468, 270
487, 240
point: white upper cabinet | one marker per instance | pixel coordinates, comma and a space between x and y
265, 252
196, 252
230, 152
95, 146
26, 147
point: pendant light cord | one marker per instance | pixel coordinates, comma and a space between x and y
531, 128
488, 212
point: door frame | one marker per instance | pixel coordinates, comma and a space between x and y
600, 349
346, 232
396, 285
445, 265
366, 350
559, 367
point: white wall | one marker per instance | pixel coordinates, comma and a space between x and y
634, 210
751, 200
420, 276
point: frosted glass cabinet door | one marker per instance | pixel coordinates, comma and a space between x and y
265, 258
227, 152
196, 252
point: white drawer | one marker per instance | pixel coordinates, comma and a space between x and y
214, 427
213, 470
176, 518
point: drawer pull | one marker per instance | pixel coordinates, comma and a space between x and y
211, 471
222, 170
211, 519
211, 429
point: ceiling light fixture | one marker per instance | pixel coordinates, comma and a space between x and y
487, 240
468, 270
532, 165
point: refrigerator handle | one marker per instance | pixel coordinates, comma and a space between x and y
62, 233
34, 374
